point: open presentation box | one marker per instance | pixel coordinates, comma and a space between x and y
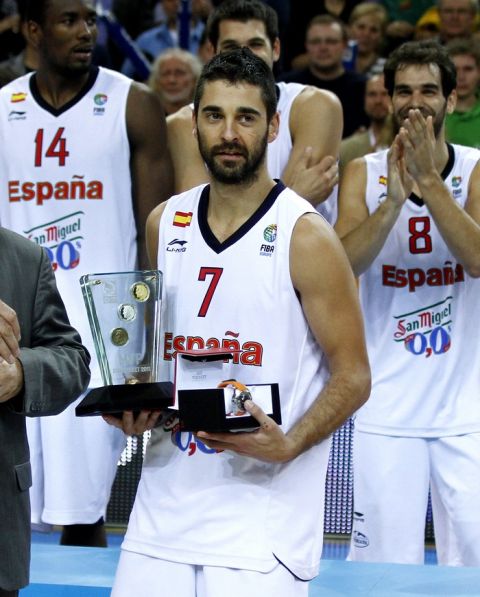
202, 405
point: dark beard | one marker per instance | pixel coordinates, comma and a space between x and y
245, 173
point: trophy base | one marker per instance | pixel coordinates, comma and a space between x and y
113, 400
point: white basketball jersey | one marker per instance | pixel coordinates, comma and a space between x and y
422, 316
278, 152
197, 506
66, 184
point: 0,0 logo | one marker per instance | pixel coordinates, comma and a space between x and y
63, 255
437, 342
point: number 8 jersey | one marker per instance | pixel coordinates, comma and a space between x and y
65, 180
422, 316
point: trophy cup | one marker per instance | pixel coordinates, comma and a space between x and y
124, 315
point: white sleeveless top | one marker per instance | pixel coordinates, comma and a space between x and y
422, 316
278, 151
197, 506
66, 182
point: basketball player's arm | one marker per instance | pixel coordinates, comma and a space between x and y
362, 234
188, 165
459, 227
316, 123
322, 276
150, 163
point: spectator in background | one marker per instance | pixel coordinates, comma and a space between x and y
135, 17
11, 41
205, 50
326, 41
457, 18
25, 61
367, 27
403, 17
174, 76
301, 13
379, 134
463, 124
451, 19
428, 25
166, 35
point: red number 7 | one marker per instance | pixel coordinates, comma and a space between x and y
215, 272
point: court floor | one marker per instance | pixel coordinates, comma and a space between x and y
59, 571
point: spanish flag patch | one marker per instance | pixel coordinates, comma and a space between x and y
182, 218
382, 180
18, 97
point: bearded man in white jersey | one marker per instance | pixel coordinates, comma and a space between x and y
304, 153
242, 513
410, 223
87, 162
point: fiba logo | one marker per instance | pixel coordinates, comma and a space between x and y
100, 99
270, 233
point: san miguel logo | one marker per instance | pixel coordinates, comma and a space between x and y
63, 190
426, 331
244, 353
61, 239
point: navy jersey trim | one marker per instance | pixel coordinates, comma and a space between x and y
445, 172
208, 236
92, 77
277, 92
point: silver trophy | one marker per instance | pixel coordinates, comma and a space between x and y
124, 314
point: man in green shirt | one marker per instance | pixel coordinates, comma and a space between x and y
463, 125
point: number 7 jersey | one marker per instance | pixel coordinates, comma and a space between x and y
65, 179
422, 316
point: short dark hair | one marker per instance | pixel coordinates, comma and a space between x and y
461, 46
34, 10
419, 53
239, 66
327, 19
243, 11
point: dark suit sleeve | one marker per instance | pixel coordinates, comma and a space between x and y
55, 364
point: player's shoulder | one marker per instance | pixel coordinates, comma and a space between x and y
312, 100
180, 201
15, 90
181, 118
298, 208
463, 152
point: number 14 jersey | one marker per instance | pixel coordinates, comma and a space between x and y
65, 181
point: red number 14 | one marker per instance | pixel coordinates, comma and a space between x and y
56, 149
